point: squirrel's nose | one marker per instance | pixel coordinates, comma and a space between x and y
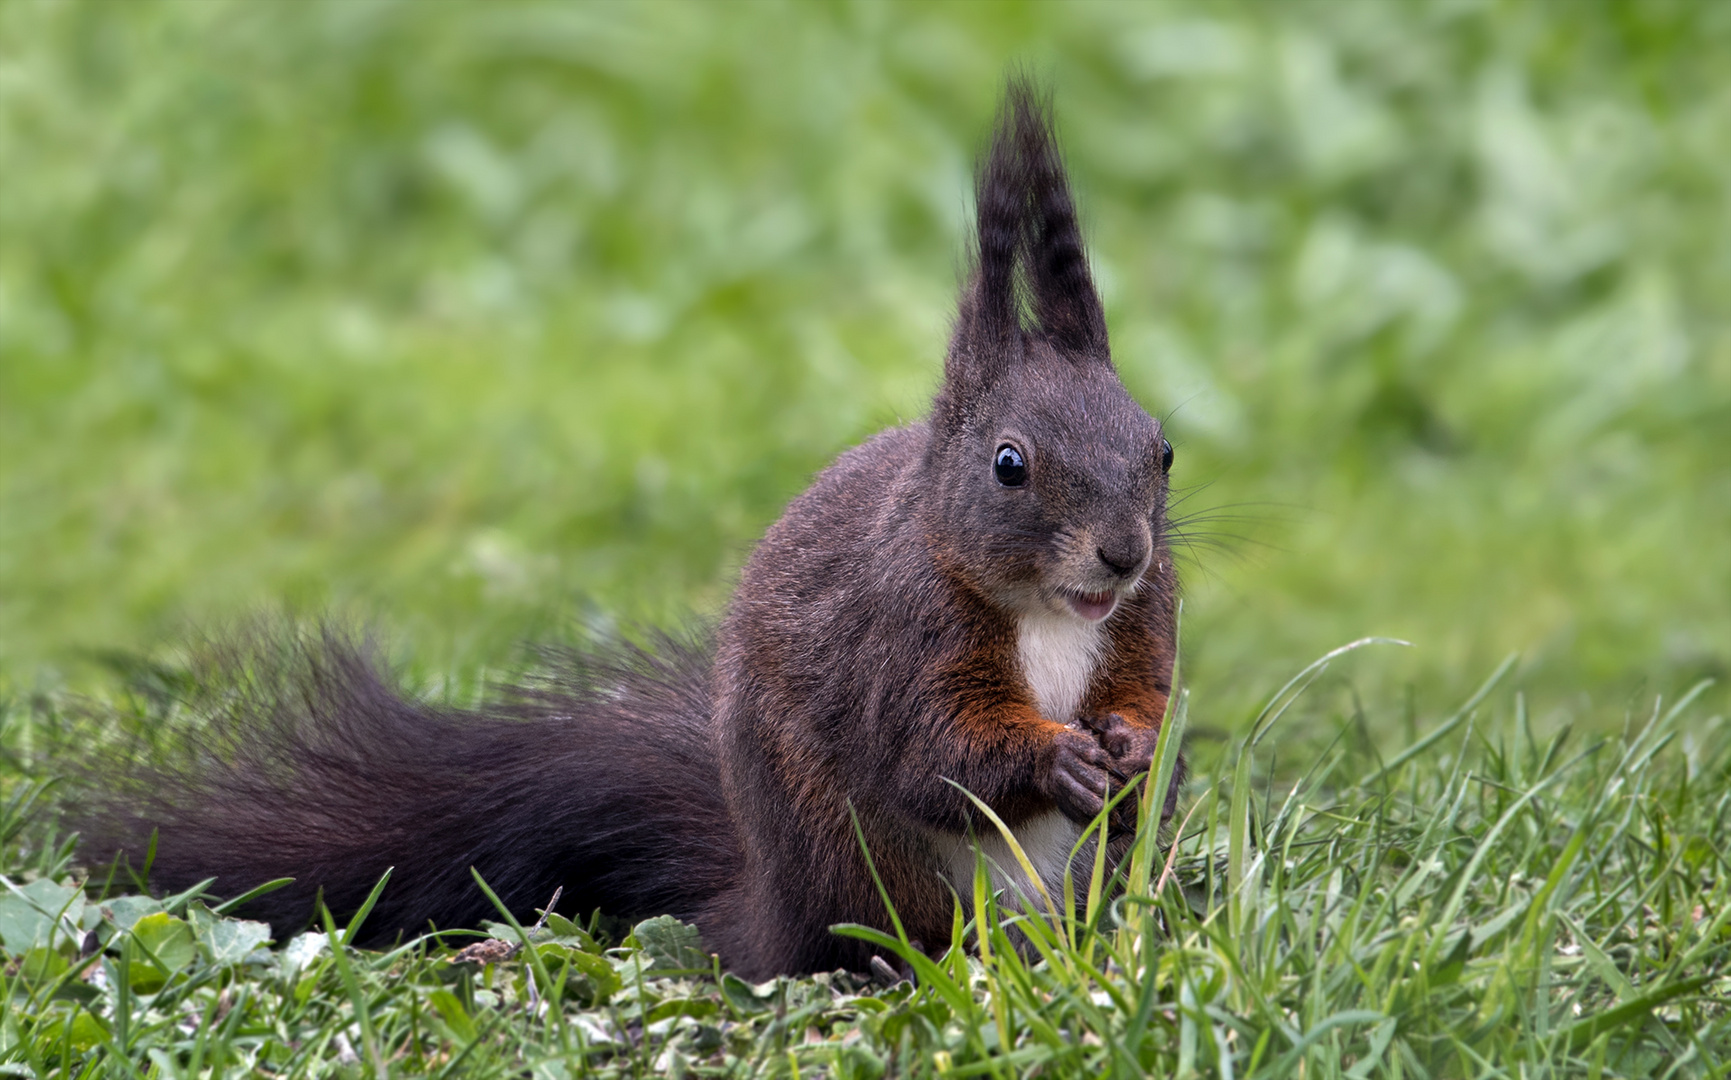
1125, 557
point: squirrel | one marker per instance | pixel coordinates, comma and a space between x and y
983, 599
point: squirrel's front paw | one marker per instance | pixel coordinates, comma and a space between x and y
1076, 775
1131, 748
1131, 751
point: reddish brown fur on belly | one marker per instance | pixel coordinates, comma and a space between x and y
990, 708
1004, 728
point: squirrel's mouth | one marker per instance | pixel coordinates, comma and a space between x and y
1092, 606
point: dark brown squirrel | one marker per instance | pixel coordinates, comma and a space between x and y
986, 597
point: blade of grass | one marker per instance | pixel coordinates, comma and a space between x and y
362, 1015
252, 894
1265, 719
553, 993
1483, 849
1454, 721
366, 908
1015, 847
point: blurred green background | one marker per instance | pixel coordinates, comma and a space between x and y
481, 323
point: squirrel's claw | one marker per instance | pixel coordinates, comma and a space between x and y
1099, 723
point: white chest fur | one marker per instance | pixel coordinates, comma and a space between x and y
1059, 655
1046, 839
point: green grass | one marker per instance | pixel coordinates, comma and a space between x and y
1480, 905
485, 323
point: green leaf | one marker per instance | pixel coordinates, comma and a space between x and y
225, 940
566, 932
169, 939
506, 932
83, 1032
930, 975
671, 945
87, 1031
28, 914
456, 1017
746, 999
302, 950
599, 979
127, 910
230, 941
694, 1007
42, 964
168, 946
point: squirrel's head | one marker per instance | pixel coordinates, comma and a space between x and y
1049, 481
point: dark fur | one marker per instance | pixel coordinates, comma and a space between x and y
309, 764
869, 654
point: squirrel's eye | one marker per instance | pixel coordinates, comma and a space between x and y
1009, 467
1165, 456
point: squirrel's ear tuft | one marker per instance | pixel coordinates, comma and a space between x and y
1029, 249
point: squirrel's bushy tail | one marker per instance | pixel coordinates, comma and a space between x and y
305, 761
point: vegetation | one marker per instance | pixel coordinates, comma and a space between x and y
1474, 906
485, 323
